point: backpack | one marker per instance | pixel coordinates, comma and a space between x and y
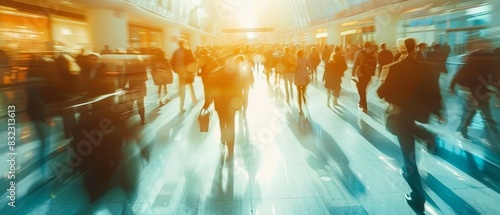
369, 65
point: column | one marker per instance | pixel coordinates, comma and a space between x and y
494, 25
386, 29
171, 36
333, 35
195, 39
107, 27
310, 37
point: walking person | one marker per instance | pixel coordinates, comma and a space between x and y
184, 64
287, 69
161, 71
136, 76
411, 88
363, 69
315, 60
334, 70
302, 78
225, 86
384, 57
475, 81
206, 63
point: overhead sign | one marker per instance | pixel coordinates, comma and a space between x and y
244, 30
420, 22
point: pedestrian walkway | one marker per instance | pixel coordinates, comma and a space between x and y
330, 161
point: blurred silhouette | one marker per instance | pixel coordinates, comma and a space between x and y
334, 70
184, 64
206, 63
363, 68
44, 88
411, 88
4, 65
161, 71
136, 76
287, 66
225, 85
314, 60
302, 78
476, 81
384, 57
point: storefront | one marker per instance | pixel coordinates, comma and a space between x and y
455, 26
24, 31
357, 36
142, 38
70, 35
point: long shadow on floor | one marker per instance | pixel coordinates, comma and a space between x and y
316, 140
456, 203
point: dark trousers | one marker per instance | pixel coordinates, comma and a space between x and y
471, 106
362, 85
404, 127
140, 108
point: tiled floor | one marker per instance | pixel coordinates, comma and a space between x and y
330, 161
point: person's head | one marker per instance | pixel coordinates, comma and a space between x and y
300, 53
183, 44
313, 49
159, 54
287, 50
383, 46
400, 43
93, 59
410, 45
337, 49
236, 50
422, 46
106, 47
368, 47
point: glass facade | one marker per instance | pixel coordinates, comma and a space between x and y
454, 27
195, 13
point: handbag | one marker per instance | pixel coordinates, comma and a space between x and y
204, 120
163, 76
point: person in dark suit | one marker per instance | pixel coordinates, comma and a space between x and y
411, 88
384, 57
96, 79
421, 54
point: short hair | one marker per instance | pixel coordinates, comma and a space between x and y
287, 49
367, 44
300, 53
337, 48
383, 46
313, 48
410, 44
182, 42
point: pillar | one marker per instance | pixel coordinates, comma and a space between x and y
195, 40
333, 35
310, 37
107, 27
386, 29
171, 36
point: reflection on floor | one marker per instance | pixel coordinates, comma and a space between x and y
329, 161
